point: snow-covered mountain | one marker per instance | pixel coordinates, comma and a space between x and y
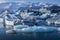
13, 11
21, 6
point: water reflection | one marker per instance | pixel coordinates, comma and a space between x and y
35, 36
29, 35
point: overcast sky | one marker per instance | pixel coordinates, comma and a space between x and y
44, 1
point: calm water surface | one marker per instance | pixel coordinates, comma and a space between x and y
29, 36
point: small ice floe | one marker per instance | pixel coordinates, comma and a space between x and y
48, 22
9, 26
1, 22
58, 29
11, 32
45, 15
57, 23
9, 22
54, 14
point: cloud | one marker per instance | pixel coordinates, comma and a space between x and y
16, 0
21, 1
2, 1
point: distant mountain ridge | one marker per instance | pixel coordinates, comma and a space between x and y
21, 6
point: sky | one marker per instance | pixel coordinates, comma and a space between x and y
27, 1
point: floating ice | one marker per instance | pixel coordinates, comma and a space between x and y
29, 17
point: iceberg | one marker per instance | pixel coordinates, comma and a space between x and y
20, 28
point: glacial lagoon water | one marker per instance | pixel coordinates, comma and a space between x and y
29, 36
